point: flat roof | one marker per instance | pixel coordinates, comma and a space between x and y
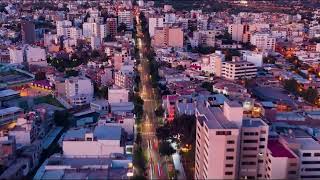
10, 110
233, 103
253, 122
308, 143
278, 150
8, 92
214, 118
100, 132
100, 168
108, 132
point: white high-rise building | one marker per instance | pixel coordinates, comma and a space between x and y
79, 90
90, 29
253, 149
36, 56
126, 17
217, 143
263, 41
16, 55
154, 22
61, 25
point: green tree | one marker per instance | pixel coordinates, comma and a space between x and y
269, 60
310, 95
159, 111
122, 27
61, 118
291, 85
72, 72
40, 76
165, 149
207, 85
139, 160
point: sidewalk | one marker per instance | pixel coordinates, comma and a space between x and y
178, 166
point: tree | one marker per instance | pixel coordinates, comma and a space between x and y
164, 133
40, 76
229, 53
122, 27
101, 92
159, 111
207, 85
61, 118
269, 60
291, 85
310, 95
138, 105
165, 149
139, 159
72, 72
95, 54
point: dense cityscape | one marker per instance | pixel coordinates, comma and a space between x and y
163, 89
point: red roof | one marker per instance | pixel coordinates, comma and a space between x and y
278, 150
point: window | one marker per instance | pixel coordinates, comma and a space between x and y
230, 150
229, 158
229, 165
261, 146
250, 141
306, 154
249, 156
316, 154
228, 173
312, 169
248, 163
250, 133
262, 139
230, 142
310, 162
260, 161
293, 164
249, 148
311, 176
292, 172
225, 133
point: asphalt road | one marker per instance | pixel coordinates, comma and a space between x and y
157, 168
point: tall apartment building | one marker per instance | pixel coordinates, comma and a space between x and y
212, 63
155, 22
253, 149
229, 146
28, 32
263, 41
90, 29
205, 38
78, 90
237, 69
16, 54
126, 17
71, 32
239, 32
217, 142
168, 37
112, 27
124, 79
61, 25
308, 151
